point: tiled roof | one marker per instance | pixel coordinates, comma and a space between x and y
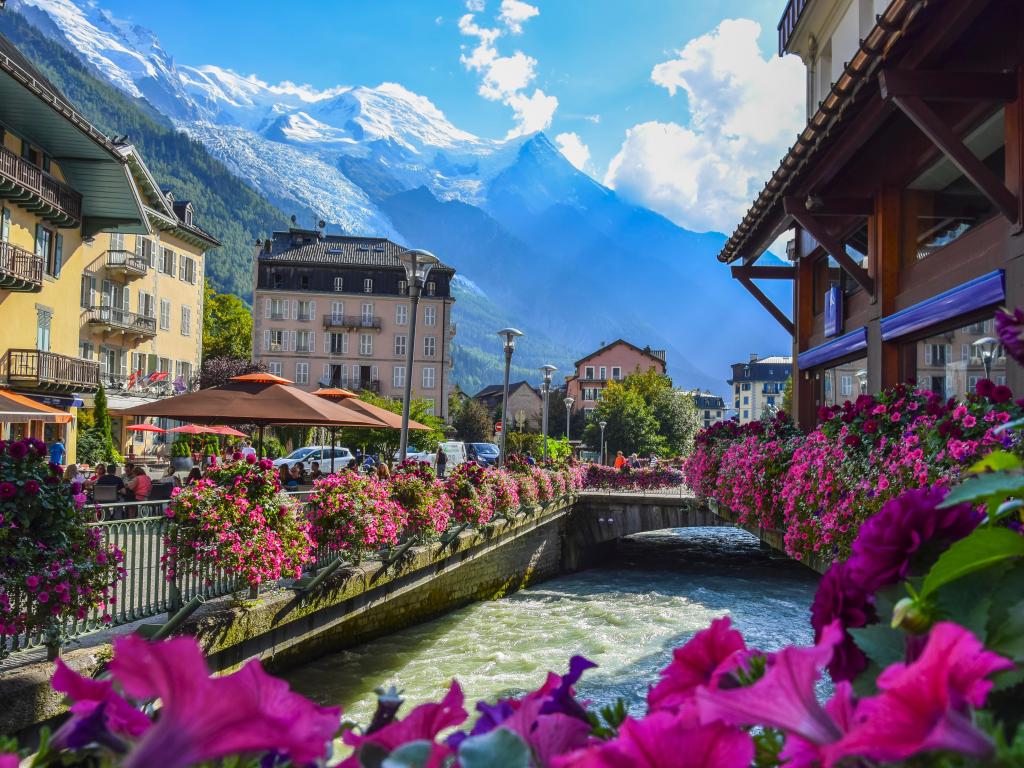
495, 390
786, 359
315, 248
709, 402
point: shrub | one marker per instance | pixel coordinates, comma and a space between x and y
469, 492
354, 514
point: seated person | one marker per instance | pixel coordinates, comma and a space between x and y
314, 472
139, 485
108, 476
194, 476
170, 476
294, 477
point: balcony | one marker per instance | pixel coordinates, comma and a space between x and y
114, 319
352, 322
20, 270
369, 385
35, 369
787, 24
127, 264
37, 191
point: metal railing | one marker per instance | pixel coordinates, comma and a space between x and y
48, 370
121, 320
352, 321
20, 270
127, 263
787, 24
56, 201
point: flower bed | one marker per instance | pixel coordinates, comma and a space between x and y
629, 479
354, 514
820, 488
54, 565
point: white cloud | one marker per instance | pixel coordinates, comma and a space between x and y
508, 78
515, 12
745, 111
595, 119
475, 6
574, 149
439, 20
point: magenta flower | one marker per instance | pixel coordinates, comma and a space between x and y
702, 661
204, 718
840, 598
266, 464
662, 740
17, 449
1010, 330
98, 712
800, 753
250, 458
925, 705
547, 735
8, 491
423, 723
9, 761
31, 488
887, 541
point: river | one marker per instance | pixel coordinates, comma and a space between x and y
627, 616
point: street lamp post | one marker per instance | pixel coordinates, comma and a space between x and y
862, 381
568, 414
986, 349
547, 370
508, 336
417, 264
602, 425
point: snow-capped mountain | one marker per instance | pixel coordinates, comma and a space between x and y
515, 217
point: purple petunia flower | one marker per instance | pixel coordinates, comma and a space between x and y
887, 542
17, 449
31, 488
8, 491
1010, 330
838, 597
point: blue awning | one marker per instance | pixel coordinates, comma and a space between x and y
844, 345
985, 291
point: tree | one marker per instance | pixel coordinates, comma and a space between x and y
678, 422
787, 397
556, 417
216, 371
630, 428
95, 443
227, 325
472, 422
386, 441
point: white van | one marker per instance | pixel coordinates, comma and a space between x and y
455, 452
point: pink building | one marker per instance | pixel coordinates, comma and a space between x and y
333, 310
612, 362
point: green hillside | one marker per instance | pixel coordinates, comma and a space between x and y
225, 205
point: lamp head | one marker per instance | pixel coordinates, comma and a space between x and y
417, 264
986, 346
508, 336
547, 370
568, 402
602, 424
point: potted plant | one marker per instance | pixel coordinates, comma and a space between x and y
181, 458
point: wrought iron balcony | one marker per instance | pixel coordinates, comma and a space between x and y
790, 18
127, 264
36, 369
370, 385
353, 322
20, 270
37, 191
112, 319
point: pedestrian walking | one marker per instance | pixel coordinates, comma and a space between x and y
441, 461
57, 451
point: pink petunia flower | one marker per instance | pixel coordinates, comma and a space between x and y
708, 655
204, 718
97, 710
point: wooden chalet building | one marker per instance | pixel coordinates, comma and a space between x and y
904, 192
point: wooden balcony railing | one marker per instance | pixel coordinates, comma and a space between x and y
352, 322
20, 270
117, 319
38, 191
127, 263
33, 368
789, 20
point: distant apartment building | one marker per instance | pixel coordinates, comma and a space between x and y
524, 404
333, 310
758, 385
710, 408
612, 362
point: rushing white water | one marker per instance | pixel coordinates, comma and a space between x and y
627, 616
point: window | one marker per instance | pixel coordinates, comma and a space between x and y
279, 309
139, 363
400, 344
5, 224
430, 315
845, 386
187, 271
930, 362
431, 288
842, 382
604, 373
403, 287
144, 250
167, 261
306, 310
44, 319
304, 282
186, 321
746, 399
302, 373
273, 340
49, 248
338, 343
366, 315
746, 414
588, 372
88, 294
165, 315
590, 393
147, 304
365, 344
401, 314
429, 346
183, 373
86, 350
429, 404
428, 378
274, 366
368, 285
617, 373
398, 376
339, 283
337, 312
116, 241
303, 341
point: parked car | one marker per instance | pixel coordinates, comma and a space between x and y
484, 454
456, 454
413, 454
321, 453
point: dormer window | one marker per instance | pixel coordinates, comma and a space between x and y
368, 285
431, 288
403, 287
188, 215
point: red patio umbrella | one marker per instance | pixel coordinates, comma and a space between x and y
227, 431
194, 429
144, 428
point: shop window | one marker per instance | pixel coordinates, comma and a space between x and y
943, 204
844, 381
931, 363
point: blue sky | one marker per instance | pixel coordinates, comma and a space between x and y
612, 66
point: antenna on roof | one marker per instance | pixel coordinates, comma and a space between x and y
294, 219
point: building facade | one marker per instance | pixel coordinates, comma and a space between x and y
710, 408
757, 386
612, 362
903, 194
333, 310
525, 404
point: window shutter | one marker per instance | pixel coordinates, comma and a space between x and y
374, 373
266, 308
344, 343
312, 310
126, 299
266, 341
312, 341
927, 354
5, 224
327, 343
295, 309
327, 373
58, 255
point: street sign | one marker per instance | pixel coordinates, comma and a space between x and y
497, 428
833, 311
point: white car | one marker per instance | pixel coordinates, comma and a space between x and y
413, 455
320, 453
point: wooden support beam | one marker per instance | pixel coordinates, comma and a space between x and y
942, 136
948, 86
840, 206
764, 272
798, 210
765, 302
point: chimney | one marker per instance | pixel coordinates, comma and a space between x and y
753, 357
